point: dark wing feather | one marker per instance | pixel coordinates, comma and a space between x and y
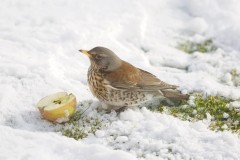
149, 81
132, 78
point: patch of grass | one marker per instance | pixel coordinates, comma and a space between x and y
231, 77
235, 77
215, 109
234, 72
203, 47
80, 126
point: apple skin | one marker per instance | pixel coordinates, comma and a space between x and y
60, 114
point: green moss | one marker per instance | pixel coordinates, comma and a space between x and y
215, 109
203, 47
80, 126
234, 72
235, 77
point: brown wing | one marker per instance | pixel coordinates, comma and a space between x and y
130, 77
149, 81
124, 77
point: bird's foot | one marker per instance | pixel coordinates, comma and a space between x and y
121, 109
109, 108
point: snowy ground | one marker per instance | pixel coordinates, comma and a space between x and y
39, 56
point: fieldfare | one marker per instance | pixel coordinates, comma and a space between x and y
117, 83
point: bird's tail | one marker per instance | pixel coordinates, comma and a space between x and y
174, 94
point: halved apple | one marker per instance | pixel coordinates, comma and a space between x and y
58, 107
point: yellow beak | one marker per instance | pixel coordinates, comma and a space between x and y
86, 52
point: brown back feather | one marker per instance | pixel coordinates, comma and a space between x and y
130, 77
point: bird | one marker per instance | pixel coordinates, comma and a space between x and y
117, 83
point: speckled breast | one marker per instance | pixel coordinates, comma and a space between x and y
111, 96
96, 85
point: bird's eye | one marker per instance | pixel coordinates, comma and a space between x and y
98, 57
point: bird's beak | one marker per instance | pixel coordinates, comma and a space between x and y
85, 52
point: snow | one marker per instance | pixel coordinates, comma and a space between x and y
235, 104
198, 25
155, 135
225, 115
19, 144
39, 56
121, 139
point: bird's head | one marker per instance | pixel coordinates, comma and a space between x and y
104, 59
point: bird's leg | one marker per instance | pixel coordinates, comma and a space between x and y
121, 109
108, 108
102, 107
105, 108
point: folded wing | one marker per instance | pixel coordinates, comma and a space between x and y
132, 78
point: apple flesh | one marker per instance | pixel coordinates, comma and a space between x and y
58, 107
